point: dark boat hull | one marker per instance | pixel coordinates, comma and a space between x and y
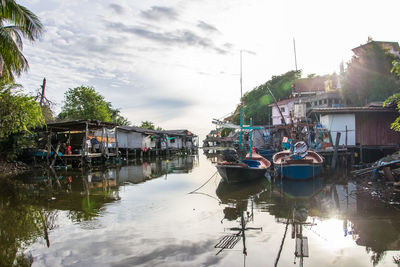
238, 174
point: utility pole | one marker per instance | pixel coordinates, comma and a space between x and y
43, 91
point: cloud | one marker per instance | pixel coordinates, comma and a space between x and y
207, 27
164, 108
176, 37
186, 252
171, 103
117, 9
160, 13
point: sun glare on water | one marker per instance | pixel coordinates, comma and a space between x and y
333, 233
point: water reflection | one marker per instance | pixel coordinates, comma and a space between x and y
84, 193
133, 173
22, 222
29, 207
238, 200
142, 214
299, 198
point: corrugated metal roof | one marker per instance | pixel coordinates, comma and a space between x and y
137, 129
283, 102
79, 125
148, 131
351, 110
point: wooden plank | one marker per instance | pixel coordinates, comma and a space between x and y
302, 247
371, 169
388, 173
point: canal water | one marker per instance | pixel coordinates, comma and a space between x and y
176, 212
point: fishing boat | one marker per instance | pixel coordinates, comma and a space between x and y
236, 169
267, 153
299, 163
253, 167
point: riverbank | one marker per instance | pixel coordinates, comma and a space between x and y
13, 168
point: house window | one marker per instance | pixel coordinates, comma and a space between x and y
315, 103
172, 140
324, 101
282, 109
320, 102
329, 101
336, 101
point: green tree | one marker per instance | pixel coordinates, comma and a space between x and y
16, 21
18, 114
368, 76
84, 103
257, 100
395, 98
147, 125
116, 117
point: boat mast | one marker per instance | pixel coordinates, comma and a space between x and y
241, 104
295, 62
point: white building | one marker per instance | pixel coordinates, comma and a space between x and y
286, 106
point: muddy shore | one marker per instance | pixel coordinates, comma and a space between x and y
9, 169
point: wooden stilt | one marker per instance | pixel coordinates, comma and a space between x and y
116, 143
335, 153
102, 142
48, 147
55, 155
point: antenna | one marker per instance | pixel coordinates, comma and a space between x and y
295, 64
241, 82
295, 57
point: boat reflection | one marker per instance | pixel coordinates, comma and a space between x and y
298, 197
339, 214
296, 190
239, 207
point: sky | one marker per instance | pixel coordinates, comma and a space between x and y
176, 63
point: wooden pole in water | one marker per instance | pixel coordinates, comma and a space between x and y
335, 153
55, 155
116, 142
102, 142
107, 142
48, 148
84, 144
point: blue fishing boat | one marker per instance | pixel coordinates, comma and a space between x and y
298, 164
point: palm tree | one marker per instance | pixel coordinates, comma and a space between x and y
16, 21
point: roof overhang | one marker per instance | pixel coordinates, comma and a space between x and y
351, 110
78, 125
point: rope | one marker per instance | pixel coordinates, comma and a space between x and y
204, 183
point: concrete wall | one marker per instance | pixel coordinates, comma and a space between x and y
131, 140
177, 144
276, 117
337, 123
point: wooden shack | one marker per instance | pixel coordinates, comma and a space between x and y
139, 142
364, 128
79, 142
183, 140
136, 141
